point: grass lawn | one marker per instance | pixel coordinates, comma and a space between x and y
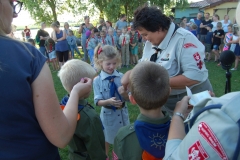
216, 75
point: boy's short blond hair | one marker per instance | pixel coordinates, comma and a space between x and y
73, 71
149, 85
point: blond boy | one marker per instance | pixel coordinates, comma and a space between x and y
88, 140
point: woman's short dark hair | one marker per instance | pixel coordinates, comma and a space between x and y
150, 18
183, 18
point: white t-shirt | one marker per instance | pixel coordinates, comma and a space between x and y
214, 26
225, 25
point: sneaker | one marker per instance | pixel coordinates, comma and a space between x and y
233, 69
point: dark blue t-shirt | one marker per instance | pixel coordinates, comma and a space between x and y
20, 134
198, 22
209, 37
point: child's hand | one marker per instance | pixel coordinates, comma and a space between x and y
114, 102
123, 92
83, 88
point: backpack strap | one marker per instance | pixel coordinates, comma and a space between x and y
193, 119
236, 153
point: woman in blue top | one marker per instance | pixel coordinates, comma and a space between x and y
61, 46
82, 30
32, 123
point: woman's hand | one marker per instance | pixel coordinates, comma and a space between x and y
83, 88
123, 92
117, 103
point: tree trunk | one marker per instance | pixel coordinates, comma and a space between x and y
126, 11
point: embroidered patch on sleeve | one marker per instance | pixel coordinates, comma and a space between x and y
189, 45
197, 152
207, 133
197, 56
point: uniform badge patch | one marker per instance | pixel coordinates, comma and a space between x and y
207, 133
199, 64
189, 45
197, 56
197, 152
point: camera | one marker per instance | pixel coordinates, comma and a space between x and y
83, 24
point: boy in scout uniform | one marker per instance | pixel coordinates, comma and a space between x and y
88, 141
146, 138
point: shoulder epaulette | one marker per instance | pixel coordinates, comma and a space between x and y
125, 131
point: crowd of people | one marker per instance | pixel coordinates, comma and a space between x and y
217, 35
35, 124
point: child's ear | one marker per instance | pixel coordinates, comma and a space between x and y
132, 100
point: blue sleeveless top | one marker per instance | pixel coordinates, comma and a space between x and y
61, 45
20, 134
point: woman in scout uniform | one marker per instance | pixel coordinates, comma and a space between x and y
176, 49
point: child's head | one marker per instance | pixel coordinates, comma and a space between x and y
124, 30
94, 31
133, 31
31, 41
219, 25
73, 71
106, 58
104, 28
149, 85
119, 32
50, 40
209, 27
230, 28
110, 31
102, 34
71, 33
194, 26
182, 24
235, 29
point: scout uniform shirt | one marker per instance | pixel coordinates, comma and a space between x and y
88, 141
112, 40
126, 144
112, 120
91, 43
181, 54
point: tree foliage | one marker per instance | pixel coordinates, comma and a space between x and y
48, 10
44, 10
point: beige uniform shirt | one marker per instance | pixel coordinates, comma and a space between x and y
182, 54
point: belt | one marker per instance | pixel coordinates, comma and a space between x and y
117, 108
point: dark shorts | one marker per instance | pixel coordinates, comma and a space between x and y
237, 50
208, 47
202, 38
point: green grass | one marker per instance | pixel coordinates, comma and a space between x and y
217, 77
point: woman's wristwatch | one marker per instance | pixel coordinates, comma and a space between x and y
179, 114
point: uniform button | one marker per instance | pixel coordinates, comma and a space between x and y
119, 115
120, 122
104, 112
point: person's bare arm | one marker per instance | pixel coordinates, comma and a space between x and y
57, 125
80, 29
177, 129
180, 82
202, 26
